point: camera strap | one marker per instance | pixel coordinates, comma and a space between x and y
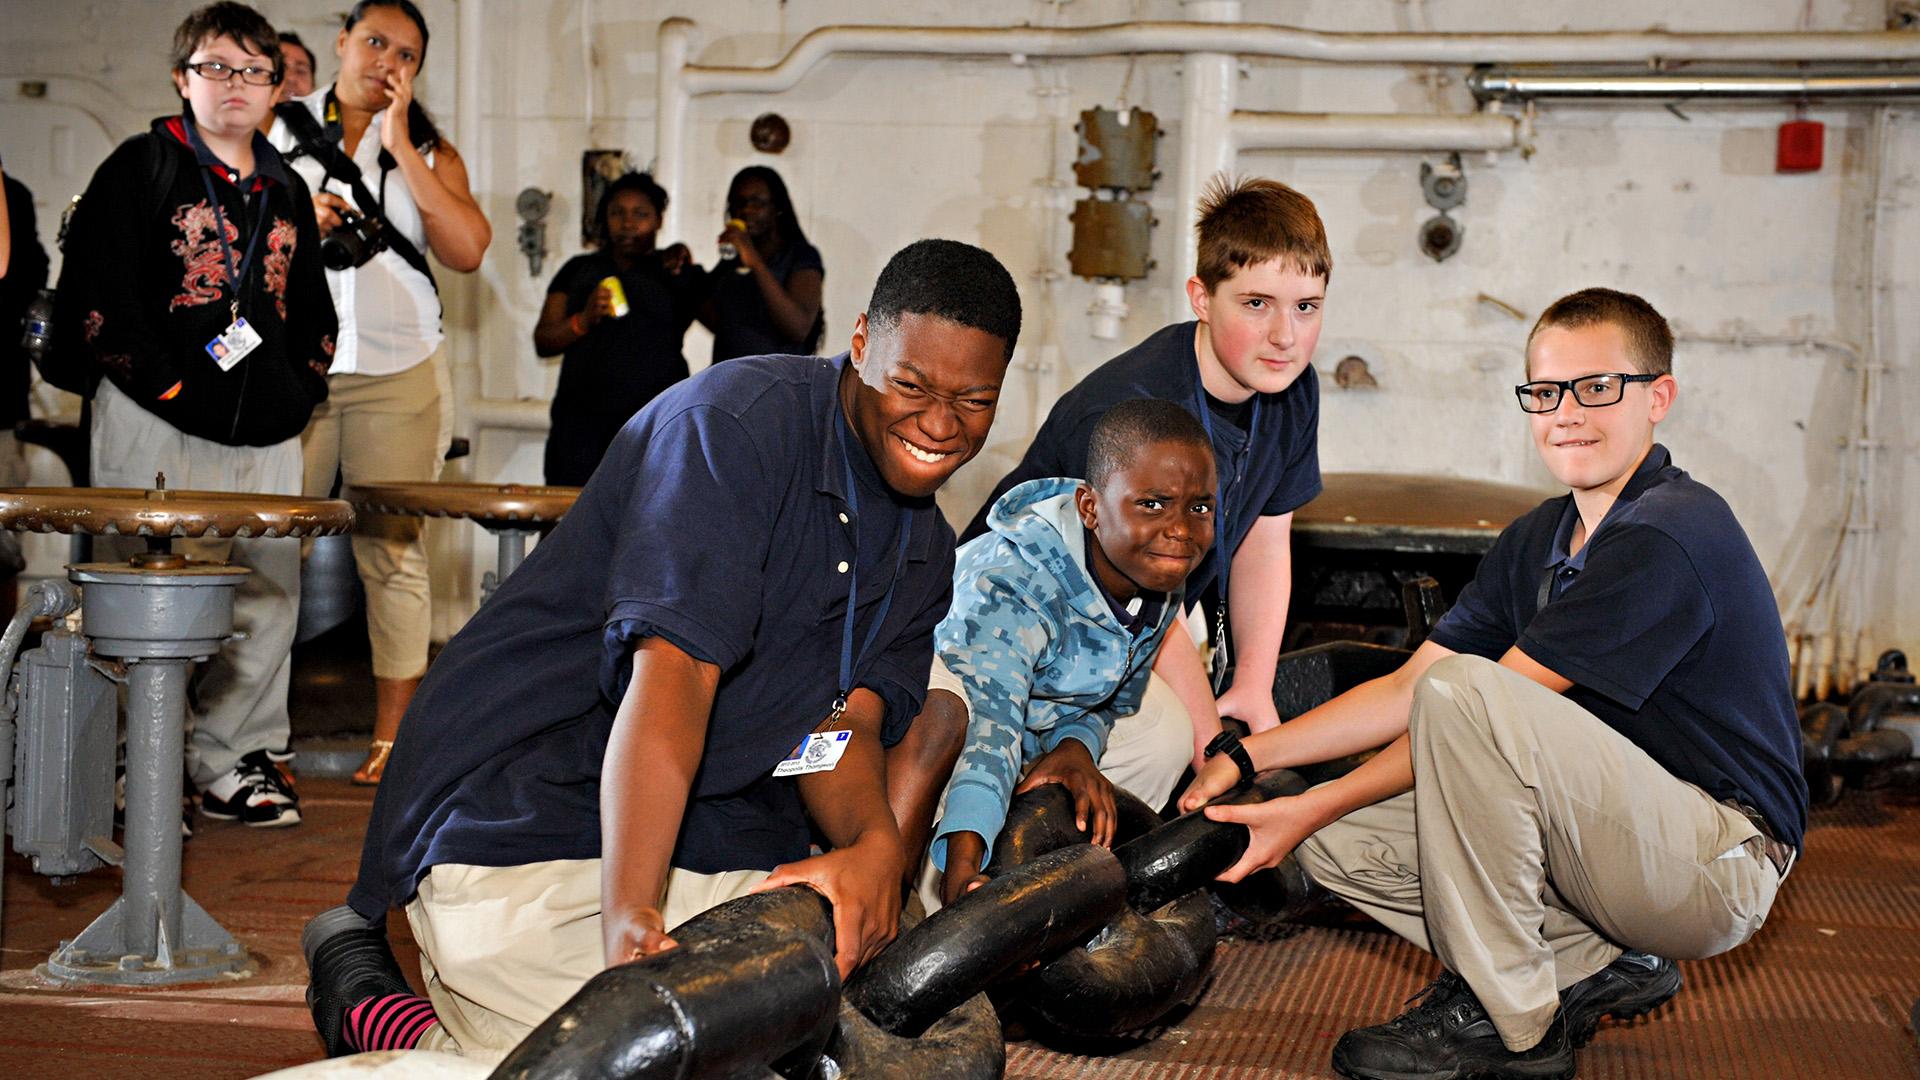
312, 140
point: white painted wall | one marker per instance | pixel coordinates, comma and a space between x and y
1684, 209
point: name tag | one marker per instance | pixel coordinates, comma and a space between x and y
818, 752
233, 345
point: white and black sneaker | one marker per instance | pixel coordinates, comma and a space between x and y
255, 793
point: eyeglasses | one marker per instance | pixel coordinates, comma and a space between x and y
215, 71
1591, 391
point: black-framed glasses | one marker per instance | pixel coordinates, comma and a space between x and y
215, 71
1591, 391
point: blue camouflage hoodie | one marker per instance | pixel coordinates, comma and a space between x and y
1041, 653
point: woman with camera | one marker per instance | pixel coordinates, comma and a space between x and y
388, 187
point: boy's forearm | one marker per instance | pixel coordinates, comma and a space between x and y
658, 733
1178, 663
849, 801
1381, 777
1260, 588
966, 852
1366, 717
6, 228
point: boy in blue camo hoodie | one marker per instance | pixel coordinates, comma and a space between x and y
1057, 615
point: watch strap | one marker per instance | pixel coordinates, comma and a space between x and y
1229, 744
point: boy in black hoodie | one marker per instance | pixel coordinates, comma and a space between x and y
193, 284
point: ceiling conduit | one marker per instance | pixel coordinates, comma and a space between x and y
1538, 84
1377, 132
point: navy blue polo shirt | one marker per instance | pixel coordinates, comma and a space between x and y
1274, 469
720, 521
1665, 623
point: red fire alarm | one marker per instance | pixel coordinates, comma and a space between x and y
1801, 144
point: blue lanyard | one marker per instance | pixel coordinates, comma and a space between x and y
1220, 557
237, 271
853, 580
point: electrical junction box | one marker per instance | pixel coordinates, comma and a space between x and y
1116, 149
1111, 239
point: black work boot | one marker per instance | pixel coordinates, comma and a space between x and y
1448, 1036
348, 962
1633, 985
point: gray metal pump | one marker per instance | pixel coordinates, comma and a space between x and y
59, 718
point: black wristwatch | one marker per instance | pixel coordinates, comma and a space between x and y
1229, 744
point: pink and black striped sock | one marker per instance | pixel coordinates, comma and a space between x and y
389, 1022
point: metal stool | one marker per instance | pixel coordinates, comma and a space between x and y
144, 621
513, 513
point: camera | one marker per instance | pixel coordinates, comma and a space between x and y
353, 242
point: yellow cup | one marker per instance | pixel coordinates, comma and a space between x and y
729, 252
612, 285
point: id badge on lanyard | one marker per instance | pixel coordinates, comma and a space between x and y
238, 340
822, 750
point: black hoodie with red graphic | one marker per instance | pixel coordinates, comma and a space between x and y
144, 288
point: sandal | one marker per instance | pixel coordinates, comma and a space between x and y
368, 774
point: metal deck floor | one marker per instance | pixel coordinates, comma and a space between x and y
1823, 992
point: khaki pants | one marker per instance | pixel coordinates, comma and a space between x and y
376, 428
242, 693
502, 947
1536, 843
1145, 756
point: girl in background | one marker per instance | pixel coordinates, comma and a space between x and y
766, 298
622, 346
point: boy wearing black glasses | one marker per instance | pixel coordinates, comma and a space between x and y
193, 309
1595, 750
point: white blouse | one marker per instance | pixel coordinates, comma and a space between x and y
389, 313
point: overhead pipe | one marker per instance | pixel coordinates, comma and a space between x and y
1376, 132
1207, 78
1285, 42
671, 98
1512, 85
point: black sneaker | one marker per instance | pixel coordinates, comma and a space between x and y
348, 962
1447, 1036
1633, 985
256, 793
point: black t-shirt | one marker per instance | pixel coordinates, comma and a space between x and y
26, 275
622, 363
722, 522
1275, 470
1666, 625
742, 324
